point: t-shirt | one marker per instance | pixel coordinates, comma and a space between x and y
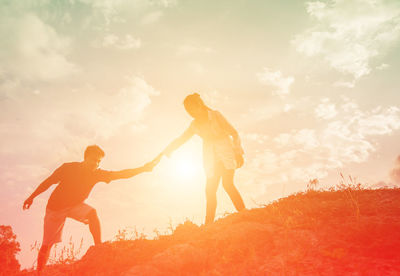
75, 183
218, 145
216, 127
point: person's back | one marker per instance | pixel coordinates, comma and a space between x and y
75, 184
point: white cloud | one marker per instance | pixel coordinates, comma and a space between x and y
287, 107
73, 118
277, 80
215, 98
379, 121
125, 43
125, 107
33, 50
166, 3
197, 67
395, 172
326, 110
383, 66
152, 17
347, 84
259, 138
137, 96
304, 138
349, 34
111, 11
107, 8
347, 136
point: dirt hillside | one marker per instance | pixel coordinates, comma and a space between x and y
348, 231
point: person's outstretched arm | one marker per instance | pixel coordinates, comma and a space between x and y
52, 179
128, 173
189, 132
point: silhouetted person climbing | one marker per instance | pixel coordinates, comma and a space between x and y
75, 181
222, 151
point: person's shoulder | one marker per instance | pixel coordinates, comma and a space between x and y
194, 124
71, 164
216, 114
103, 175
64, 169
100, 170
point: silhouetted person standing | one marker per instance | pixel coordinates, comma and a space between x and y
222, 151
75, 181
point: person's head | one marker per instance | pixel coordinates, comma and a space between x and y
92, 157
195, 106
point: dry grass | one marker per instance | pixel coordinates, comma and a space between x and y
344, 230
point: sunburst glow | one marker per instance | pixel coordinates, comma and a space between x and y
185, 164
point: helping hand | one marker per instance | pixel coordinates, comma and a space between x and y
148, 167
28, 202
239, 160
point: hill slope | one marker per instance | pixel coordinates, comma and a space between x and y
328, 233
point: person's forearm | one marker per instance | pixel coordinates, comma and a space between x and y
172, 146
40, 189
179, 141
128, 173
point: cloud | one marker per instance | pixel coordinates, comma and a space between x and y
383, 66
349, 35
166, 3
111, 11
304, 138
346, 84
125, 43
135, 97
379, 121
276, 80
395, 172
215, 97
325, 110
110, 112
151, 17
33, 50
72, 119
347, 136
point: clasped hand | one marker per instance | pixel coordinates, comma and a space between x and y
148, 167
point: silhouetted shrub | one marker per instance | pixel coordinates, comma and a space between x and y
9, 248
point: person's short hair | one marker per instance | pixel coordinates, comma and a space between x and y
94, 151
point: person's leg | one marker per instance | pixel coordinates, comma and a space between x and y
211, 195
94, 226
52, 231
87, 214
227, 182
43, 256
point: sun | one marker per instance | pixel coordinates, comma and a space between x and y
184, 168
185, 164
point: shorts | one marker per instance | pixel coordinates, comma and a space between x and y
54, 221
216, 153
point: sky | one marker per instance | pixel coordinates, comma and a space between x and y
311, 87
